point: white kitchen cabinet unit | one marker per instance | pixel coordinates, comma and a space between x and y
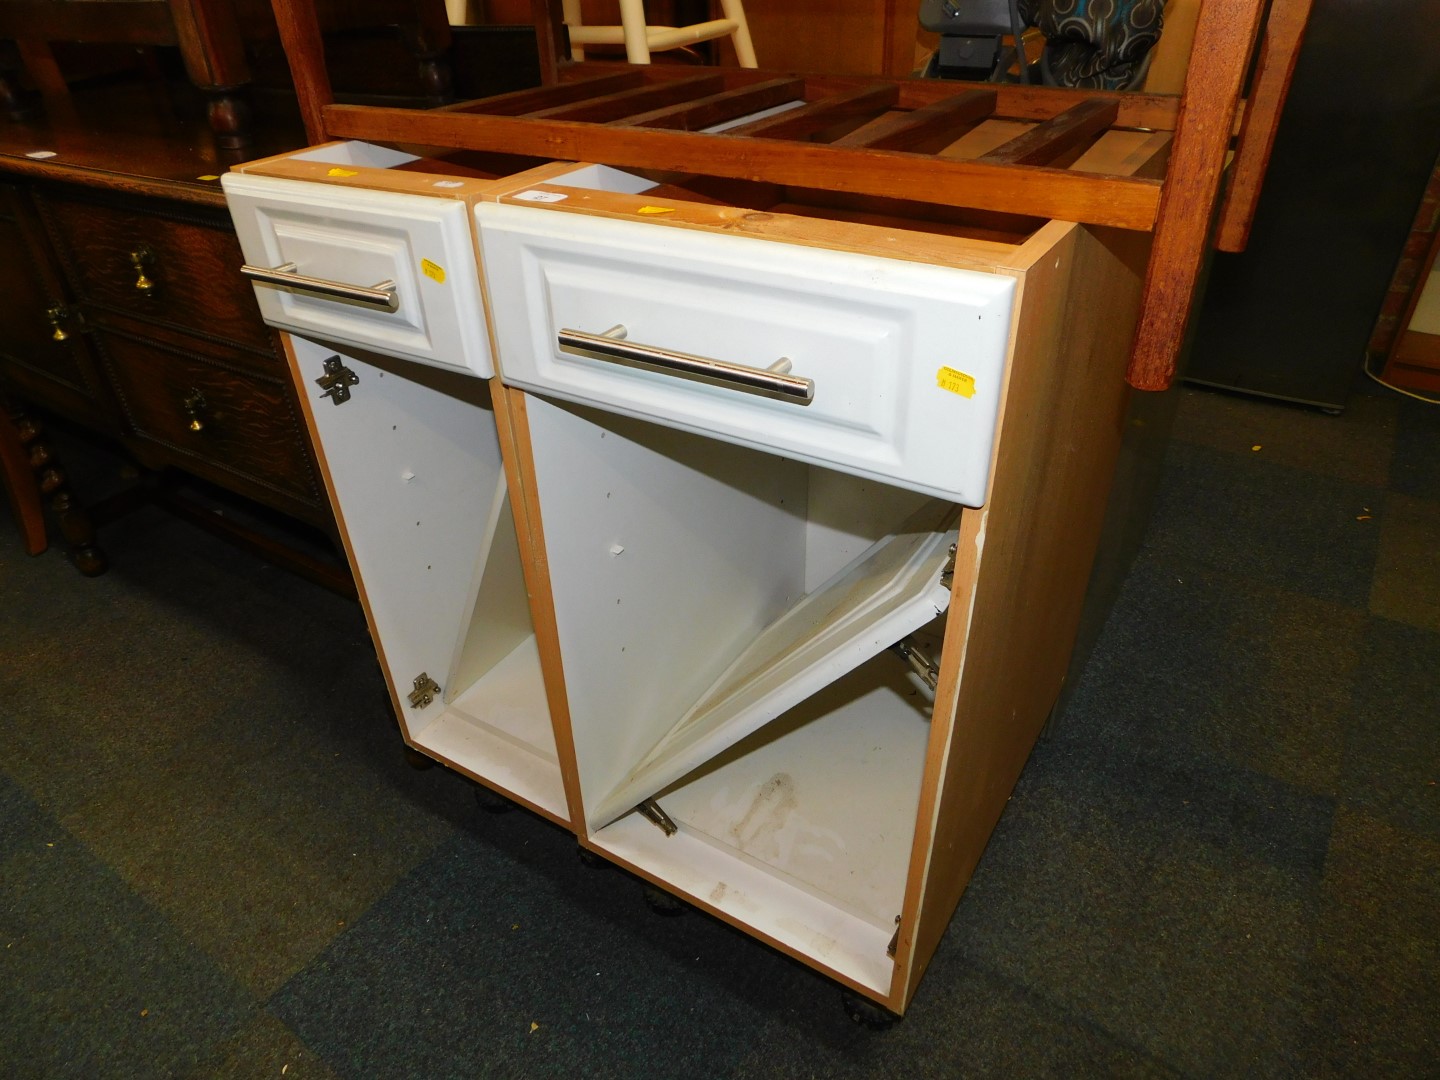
404, 424
759, 562
815, 501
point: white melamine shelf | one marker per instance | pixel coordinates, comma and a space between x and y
803, 832
498, 730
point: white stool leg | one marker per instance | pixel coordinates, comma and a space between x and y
744, 50
632, 17
570, 9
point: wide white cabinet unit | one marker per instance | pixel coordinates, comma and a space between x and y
758, 561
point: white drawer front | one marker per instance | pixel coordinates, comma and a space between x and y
906, 359
361, 238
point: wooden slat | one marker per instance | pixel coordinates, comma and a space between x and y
926, 129
719, 108
1279, 49
1157, 111
1224, 38
549, 97
1016, 189
1021, 102
641, 99
1058, 140
819, 116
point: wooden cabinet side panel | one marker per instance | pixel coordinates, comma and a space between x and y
1023, 583
513, 425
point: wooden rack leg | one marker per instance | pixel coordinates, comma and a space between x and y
1224, 38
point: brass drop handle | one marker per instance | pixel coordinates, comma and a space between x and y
142, 259
194, 405
55, 313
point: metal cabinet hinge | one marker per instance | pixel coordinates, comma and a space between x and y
425, 690
651, 812
894, 940
947, 575
919, 660
336, 381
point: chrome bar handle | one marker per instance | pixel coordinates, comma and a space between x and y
381, 295
772, 382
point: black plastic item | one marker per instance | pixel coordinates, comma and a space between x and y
970, 36
1290, 317
866, 1013
966, 18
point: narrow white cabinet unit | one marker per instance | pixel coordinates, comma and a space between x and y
367, 258
815, 501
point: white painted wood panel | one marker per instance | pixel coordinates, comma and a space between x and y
891, 590
498, 731
415, 468
692, 865
802, 832
826, 796
668, 553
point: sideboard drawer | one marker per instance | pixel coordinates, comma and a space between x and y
210, 418
880, 367
162, 263
413, 251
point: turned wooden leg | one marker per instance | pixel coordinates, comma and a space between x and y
18, 480
431, 48
229, 116
75, 523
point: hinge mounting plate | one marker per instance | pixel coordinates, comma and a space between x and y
336, 381
425, 690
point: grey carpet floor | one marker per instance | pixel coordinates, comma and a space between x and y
1225, 861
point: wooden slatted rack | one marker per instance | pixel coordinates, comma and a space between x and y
893, 139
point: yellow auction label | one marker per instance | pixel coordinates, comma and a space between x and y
342, 172
432, 271
208, 176
656, 210
957, 382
